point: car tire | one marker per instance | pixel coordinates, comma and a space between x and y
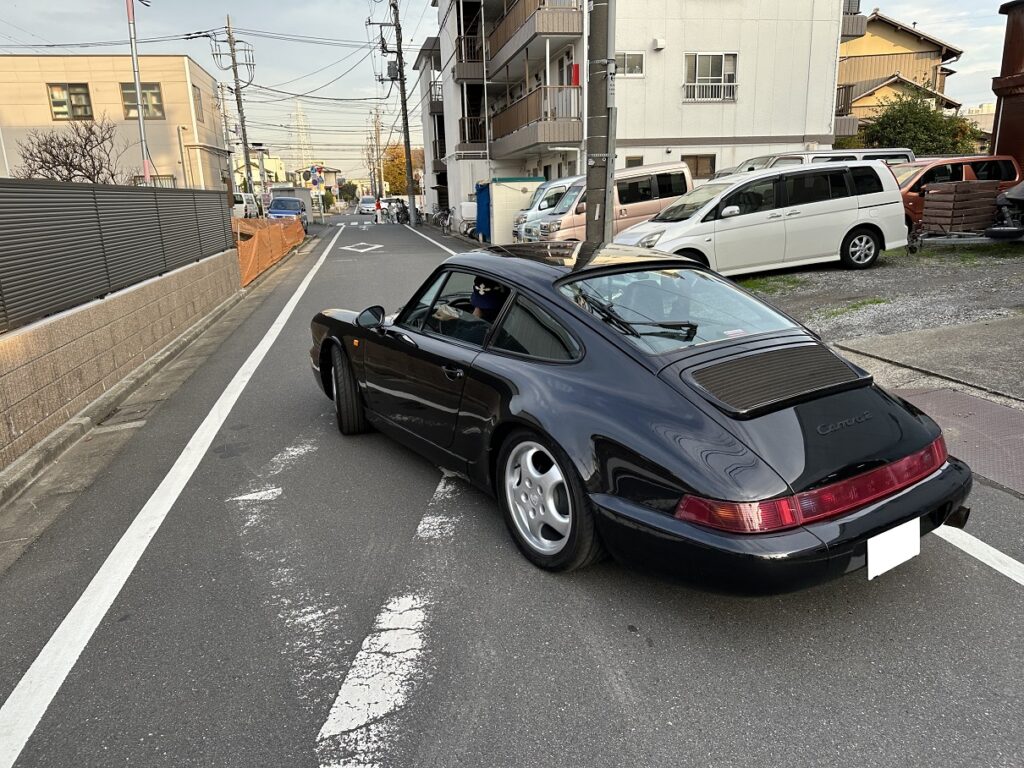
348, 404
860, 248
537, 484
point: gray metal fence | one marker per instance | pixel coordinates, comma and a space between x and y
62, 245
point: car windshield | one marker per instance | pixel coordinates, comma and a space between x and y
285, 204
568, 201
754, 164
904, 172
691, 202
664, 310
538, 193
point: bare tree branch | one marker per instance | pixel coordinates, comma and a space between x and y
83, 151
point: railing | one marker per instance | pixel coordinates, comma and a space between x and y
472, 130
709, 91
435, 91
851, 7
516, 16
469, 48
552, 102
844, 100
440, 150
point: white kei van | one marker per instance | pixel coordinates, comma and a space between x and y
544, 200
782, 217
888, 155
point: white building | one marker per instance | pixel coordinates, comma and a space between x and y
706, 81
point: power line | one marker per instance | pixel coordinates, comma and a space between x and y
103, 43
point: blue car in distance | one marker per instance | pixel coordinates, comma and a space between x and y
288, 208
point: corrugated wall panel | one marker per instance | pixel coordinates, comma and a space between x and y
131, 234
51, 250
178, 227
214, 227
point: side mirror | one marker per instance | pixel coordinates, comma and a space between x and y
729, 211
372, 317
581, 208
543, 205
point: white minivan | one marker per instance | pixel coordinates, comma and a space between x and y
773, 218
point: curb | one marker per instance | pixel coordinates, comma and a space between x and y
20, 473
929, 372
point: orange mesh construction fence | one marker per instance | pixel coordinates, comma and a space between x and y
262, 243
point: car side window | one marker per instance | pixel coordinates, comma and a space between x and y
866, 180
756, 197
808, 188
551, 198
466, 308
530, 331
637, 190
671, 184
991, 170
784, 161
416, 311
941, 174
1009, 171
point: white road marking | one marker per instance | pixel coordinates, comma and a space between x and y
361, 247
268, 494
23, 709
430, 239
976, 548
435, 524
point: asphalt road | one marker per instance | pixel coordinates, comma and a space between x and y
314, 600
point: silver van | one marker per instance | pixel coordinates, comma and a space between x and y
544, 200
886, 155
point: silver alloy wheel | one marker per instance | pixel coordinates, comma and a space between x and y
538, 497
862, 249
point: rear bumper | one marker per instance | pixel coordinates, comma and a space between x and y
780, 562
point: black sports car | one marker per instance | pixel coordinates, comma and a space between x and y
622, 399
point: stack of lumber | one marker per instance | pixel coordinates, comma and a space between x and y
960, 206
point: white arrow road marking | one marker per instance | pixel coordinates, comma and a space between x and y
390, 665
361, 247
24, 708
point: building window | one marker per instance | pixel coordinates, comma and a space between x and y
197, 100
630, 64
152, 101
634, 161
70, 101
710, 77
155, 181
701, 166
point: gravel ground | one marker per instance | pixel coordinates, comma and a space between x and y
903, 292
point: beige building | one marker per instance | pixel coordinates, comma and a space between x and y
891, 59
273, 166
184, 124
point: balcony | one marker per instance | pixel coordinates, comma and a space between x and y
527, 20
438, 155
709, 91
436, 98
472, 134
469, 58
855, 24
846, 123
546, 115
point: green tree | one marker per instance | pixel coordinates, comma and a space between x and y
912, 121
328, 199
347, 191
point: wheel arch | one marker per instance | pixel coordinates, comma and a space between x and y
696, 254
871, 227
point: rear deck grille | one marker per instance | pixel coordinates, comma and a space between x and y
753, 382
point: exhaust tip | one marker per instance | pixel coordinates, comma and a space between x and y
958, 519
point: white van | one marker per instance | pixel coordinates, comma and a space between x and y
544, 200
890, 156
245, 206
773, 218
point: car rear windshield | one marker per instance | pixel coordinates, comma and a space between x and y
904, 172
691, 202
284, 204
368, 200
665, 310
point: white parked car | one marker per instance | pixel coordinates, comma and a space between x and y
245, 206
773, 218
367, 204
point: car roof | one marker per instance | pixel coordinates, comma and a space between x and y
538, 265
284, 197
739, 178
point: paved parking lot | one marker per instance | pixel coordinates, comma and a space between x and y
314, 600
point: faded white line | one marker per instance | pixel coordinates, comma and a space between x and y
267, 494
976, 548
435, 523
23, 709
430, 239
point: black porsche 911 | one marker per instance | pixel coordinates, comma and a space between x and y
620, 399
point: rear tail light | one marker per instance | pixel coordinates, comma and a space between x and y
821, 503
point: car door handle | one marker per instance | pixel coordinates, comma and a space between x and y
452, 373
775, 216
403, 337
793, 213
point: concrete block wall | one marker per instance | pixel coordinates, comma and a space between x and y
52, 369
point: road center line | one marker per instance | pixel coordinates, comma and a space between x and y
430, 239
978, 549
28, 702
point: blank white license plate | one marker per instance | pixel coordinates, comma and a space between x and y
895, 546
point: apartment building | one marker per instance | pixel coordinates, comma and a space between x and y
711, 83
889, 60
184, 123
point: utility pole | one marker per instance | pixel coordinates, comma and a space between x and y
227, 135
130, 5
238, 103
601, 120
411, 193
378, 153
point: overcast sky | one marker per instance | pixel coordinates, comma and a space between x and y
340, 128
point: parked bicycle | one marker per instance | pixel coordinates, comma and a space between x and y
445, 221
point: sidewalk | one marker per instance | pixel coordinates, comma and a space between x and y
973, 387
